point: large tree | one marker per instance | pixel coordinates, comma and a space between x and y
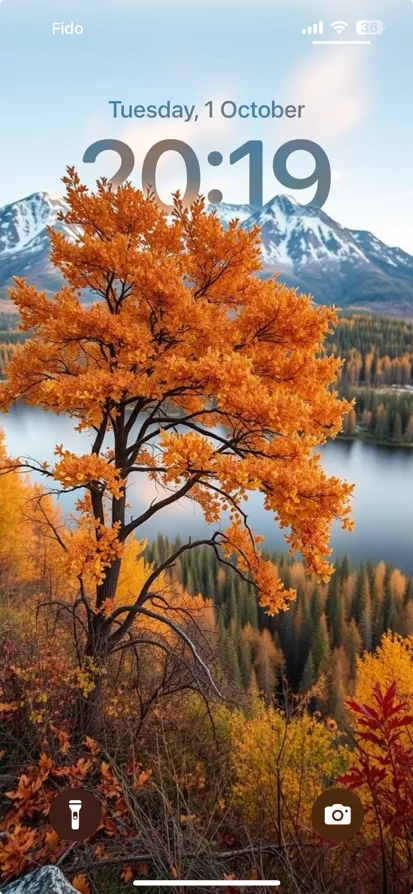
187, 368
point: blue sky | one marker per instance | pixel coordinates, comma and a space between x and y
54, 94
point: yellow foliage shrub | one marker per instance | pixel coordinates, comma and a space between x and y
391, 662
280, 766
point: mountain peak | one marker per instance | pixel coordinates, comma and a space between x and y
42, 197
24, 221
287, 204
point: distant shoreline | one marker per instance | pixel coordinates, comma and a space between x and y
367, 438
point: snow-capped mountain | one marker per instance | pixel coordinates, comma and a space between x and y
349, 268
22, 225
228, 212
309, 250
24, 243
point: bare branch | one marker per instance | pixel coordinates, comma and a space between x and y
136, 609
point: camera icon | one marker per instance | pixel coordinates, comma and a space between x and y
337, 815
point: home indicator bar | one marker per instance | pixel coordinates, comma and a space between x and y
199, 883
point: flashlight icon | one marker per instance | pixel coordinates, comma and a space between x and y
75, 808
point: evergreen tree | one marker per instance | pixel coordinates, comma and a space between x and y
335, 610
321, 647
232, 604
189, 583
343, 569
309, 675
221, 625
344, 619
316, 606
360, 595
209, 583
408, 594
307, 633
353, 645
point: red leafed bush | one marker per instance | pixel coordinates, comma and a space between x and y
382, 774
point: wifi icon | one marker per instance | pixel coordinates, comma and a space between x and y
339, 26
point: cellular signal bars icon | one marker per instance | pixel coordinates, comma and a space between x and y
318, 28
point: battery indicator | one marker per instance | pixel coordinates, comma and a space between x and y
370, 27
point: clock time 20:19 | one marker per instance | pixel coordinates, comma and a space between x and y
252, 150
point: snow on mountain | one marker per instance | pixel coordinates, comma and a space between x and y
302, 244
23, 224
294, 236
228, 212
374, 248
24, 242
337, 265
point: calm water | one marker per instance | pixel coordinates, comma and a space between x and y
383, 502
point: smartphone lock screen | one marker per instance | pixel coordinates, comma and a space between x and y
206, 446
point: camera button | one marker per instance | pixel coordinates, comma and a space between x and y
337, 814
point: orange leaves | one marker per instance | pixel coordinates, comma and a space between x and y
185, 453
74, 774
26, 838
142, 778
90, 549
272, 594
75, 471
31, 782
91, 745
80, 884
64, 741
25, 789
6, 708
216, 259
45, 766
127, 875
51, 840
107, 607
14, 852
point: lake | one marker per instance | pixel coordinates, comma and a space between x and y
383, 501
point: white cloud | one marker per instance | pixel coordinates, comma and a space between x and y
332, 87
145, 492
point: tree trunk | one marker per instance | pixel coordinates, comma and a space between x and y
89, 714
